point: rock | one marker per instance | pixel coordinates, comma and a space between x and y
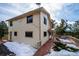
4, 51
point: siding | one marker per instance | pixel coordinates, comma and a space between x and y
21, 27
44, 28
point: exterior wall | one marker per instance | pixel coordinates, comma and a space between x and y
21, 27
44, 28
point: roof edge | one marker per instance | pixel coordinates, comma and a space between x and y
29, 12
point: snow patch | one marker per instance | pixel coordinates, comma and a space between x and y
63, 53
65, 40
72, 45
20, 49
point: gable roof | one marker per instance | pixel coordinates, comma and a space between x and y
41, 9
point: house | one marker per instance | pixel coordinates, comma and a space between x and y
30, 28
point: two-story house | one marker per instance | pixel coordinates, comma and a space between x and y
30, 28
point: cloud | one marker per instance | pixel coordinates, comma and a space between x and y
53, 8
3, 17
67, 11
11, 10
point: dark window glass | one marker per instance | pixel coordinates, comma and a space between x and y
28, 34
15, 33
29, 19
45, 34
11, 23
45, 21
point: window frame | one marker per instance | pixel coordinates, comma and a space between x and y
29, 34
45, 33
29, 20
11, 23
45, 21
15, 33
10, 33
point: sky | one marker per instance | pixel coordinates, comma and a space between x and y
58, 11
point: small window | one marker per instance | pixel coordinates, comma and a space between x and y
15, 33
45, 34
28, 34
29, 19
11, 23
45, 21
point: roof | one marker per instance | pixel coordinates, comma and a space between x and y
41, 9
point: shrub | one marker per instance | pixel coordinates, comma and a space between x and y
59, 46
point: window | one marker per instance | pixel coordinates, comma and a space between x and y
28, 34
11, 23
15, 33
29, 19
45, 21
45, 34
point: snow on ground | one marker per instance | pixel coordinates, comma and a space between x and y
72, 45
20, 49
63, 53
65, 40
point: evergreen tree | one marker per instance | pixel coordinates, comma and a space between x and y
3, 29
61, 28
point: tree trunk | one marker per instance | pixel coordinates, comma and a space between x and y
0, 38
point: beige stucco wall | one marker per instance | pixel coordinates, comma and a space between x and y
44, 28
21, 27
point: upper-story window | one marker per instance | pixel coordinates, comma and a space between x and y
45, 21
11, 23
29, 19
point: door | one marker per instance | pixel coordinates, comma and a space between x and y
10, 36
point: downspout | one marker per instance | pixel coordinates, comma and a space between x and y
39, 27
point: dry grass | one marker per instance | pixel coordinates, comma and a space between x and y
75, 40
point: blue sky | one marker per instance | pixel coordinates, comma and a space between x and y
67, 11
